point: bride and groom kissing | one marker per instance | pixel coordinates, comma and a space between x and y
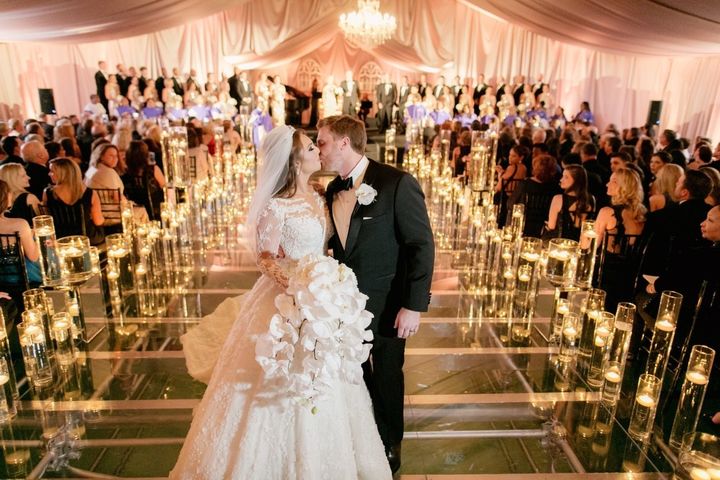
377, 224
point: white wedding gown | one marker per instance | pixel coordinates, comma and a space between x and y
244, 428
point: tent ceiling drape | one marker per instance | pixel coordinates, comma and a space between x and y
611, 53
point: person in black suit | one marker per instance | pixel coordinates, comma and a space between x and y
143, 80
123, 79
160, 81
538, 86
438, 89
478, 92
245, 91
100, 82
177, 82
519, 88
233, 84
351, 99
385, 237
500, 90
675, 229
385, 94
423, 87
598, 175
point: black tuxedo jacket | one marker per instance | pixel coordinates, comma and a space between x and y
479, 91
389, 246
403, 94
100, 82
385, 97
245, 91
500, 91
160, 85
233, 84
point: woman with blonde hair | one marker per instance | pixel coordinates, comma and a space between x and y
68, 191
662, 193
10, 225
23, 203
626, 213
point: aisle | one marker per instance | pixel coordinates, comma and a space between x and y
475, 408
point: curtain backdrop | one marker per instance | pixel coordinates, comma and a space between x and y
434, 36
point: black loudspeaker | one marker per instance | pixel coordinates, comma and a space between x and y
654, 111
47, 101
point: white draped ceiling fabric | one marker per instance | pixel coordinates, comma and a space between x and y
616, 54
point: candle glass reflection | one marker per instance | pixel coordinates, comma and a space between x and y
560, 309
602, 337
35, 299
44, 229
5, 353
663, 333
62, 336
692, 393
591, 308
562, 255
699, 457
645, 407
569, 337
614, 368
35, 353
8, 408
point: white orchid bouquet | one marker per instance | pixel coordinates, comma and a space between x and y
319, 334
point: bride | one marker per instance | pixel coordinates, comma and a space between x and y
245, 427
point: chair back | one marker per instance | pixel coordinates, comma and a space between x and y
13, 275
110, 205
537, 207
626, 249
68, 219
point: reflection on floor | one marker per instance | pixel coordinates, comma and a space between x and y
475, 407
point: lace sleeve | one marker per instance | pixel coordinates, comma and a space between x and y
269, 233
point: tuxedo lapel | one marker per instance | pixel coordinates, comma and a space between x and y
356, 217
329, 198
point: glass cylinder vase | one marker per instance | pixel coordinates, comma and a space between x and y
590, 309
644, 407
75, 260
663, 333
602, 338
35, 353
586, 259
692, 393
44, 229
614, 368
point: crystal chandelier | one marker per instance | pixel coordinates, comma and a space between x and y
367, 26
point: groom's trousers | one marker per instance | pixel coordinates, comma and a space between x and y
385, 381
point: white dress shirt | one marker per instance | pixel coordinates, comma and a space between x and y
345, 200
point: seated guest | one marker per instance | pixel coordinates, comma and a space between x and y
702, 156
662, 193
71, 149
143, 182
658, 160
54, 150
36, 159
598, 175
624, 217
24, 204
568, 210
626, 213
676, 228
11, 146
515, 171
536, 193
9, 225
198, 151
619, 159
101, 173
713, 197
68, 191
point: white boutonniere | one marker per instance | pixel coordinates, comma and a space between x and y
365, 194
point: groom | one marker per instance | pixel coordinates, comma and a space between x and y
383, 233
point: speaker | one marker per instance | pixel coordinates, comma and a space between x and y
654, 111
47, 101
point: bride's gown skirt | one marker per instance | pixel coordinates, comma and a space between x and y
244, 428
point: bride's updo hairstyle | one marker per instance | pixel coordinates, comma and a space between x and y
276, 176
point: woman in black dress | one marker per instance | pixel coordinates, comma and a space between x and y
569, 209
24, 204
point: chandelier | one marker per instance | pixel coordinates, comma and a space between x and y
367, 26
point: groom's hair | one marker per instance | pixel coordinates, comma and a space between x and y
346, 126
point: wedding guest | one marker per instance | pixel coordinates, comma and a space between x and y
569, 209
663, 188
10, 225
68, 190
144, 182
713, 197
36, 158
54, 150
702, 156
541, 185
101, 78
585, 115
515, 171
23, 203
11, 145
95, 107
102, 173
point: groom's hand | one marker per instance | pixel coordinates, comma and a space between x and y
407, 322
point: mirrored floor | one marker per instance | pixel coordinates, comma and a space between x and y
477, 405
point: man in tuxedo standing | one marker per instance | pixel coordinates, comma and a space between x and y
438, 89
538, 86
245, 91
382, 232
160, 82
178, 86
423, 87
351, 100
500, 90
478, 92
100, 82
385, 93
233, 84
123, 79
143, 80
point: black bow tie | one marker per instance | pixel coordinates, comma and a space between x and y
339, 184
